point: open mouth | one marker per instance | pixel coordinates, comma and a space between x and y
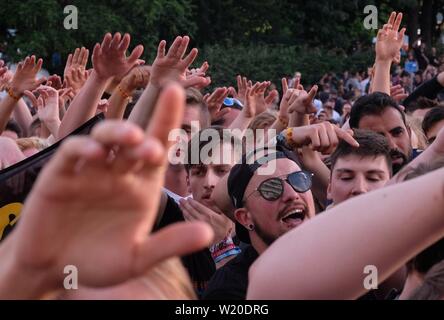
294, 217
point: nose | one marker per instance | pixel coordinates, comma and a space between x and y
210, 180
391, 142
360, 186
289, 193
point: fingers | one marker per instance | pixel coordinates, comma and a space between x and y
397, 22
135, 55
189, 59
176, 240
111, 133
269, 99
161, 49
347, 137
106, 41
75, 58
173, 51
71, 152
183, 47
199, 82
69, 60
122, 43
168, 113
191, 212
204, 67
284, 85
392, 18
31, 97
84, 58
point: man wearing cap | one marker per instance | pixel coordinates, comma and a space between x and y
269, 197
267, 206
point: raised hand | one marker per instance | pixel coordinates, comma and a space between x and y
214, 103
197, 75
5, 76
25, 76
398, 93
109, 58
220, 223
323, 137
300, 101
105, 229
75, 61
390, 39
254, 100
242, 86
47, 105
172, 66
262, 102
75, 78
55, 81
138, 77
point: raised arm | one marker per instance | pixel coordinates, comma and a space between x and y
109, 60
326, 256
167, 67
137, 78
388, 45
106, 238
24, 79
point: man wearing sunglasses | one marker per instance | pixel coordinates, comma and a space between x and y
267, 206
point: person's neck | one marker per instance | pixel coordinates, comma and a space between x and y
414, 280
258, 244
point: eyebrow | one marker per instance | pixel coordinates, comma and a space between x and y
377, 171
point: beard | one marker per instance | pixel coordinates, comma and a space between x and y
396, 167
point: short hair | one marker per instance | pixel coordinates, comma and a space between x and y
263, 120
371, 144
372, 104
432, 117
223, 136
195, 97
14, 127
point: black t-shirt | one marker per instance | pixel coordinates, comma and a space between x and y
200, 265
231, 281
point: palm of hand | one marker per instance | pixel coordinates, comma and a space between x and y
25, 80
388, 45
88, 197
167, 69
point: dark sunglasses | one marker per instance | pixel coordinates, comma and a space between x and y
273, 188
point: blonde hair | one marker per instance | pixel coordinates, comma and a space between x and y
263, 120
415, 125
32, 142
167, 280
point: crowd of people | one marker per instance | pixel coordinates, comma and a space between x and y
261, 195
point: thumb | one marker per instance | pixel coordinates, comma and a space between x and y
176, 240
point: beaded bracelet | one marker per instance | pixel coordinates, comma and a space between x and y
123, 93
12, 95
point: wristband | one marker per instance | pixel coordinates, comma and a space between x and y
12, 95
224, 249
123, 93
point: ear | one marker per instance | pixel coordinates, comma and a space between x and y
243, 216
